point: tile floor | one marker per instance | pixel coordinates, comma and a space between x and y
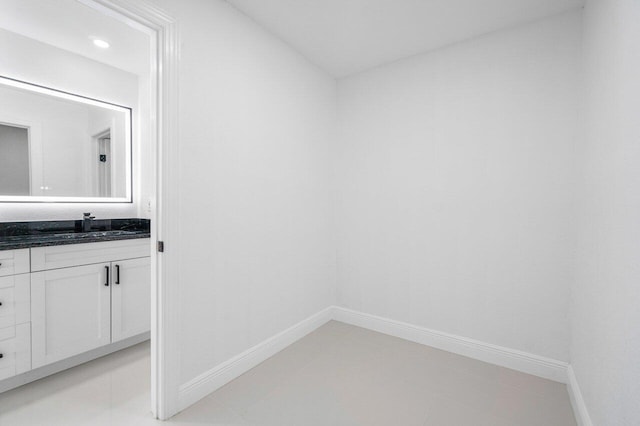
338, 375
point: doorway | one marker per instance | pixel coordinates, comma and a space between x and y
103, 161
163, 113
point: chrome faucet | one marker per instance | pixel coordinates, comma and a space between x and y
86, 222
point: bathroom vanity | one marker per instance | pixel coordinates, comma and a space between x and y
67, 296
71, 290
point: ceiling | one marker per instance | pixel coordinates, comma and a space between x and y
348, 36
70, 25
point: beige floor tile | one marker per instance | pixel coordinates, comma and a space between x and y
443, 411
339, 375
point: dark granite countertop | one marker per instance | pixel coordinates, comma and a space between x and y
19, 235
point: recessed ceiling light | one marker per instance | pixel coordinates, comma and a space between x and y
101, 43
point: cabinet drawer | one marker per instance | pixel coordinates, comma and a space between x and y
14, 262
15, 347
54, 257
15, 300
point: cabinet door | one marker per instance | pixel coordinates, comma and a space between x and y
131, 298
70, 312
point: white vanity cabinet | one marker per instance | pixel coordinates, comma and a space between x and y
15, 328
76, 307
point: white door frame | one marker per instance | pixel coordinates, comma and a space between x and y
96, 181
163, 31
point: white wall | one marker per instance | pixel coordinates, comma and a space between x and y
605, 349
32, 61
256, 133
455, 178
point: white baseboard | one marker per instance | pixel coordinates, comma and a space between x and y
505, 357
209, 381
577, 401
215, 378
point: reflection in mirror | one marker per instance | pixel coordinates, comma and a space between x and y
14, 160
54, 144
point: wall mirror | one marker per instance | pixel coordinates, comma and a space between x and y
61, 147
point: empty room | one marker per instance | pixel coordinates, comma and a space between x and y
320, 212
